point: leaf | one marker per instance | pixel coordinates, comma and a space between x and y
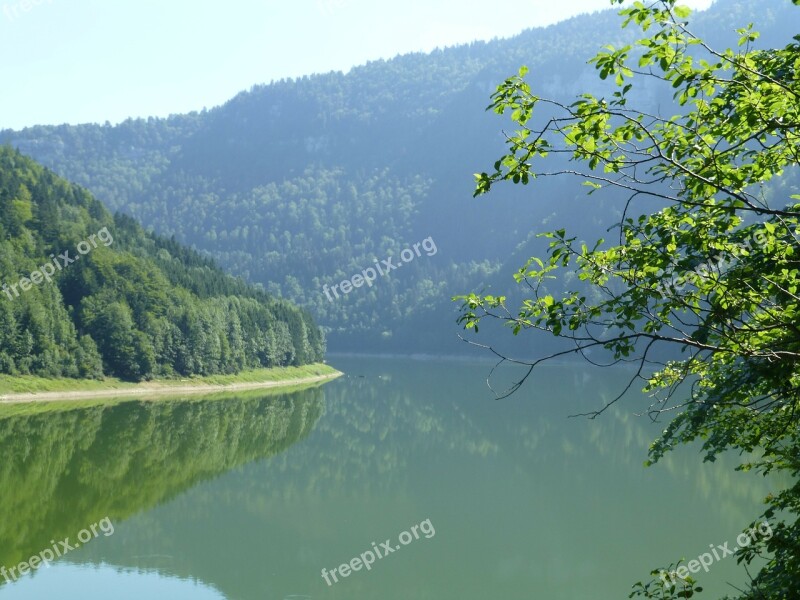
682, 12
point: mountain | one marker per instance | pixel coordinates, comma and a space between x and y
85, 294
301, 185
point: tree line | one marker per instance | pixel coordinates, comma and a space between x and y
139, 308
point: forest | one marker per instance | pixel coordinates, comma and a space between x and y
123, 302
629, 200
300, 182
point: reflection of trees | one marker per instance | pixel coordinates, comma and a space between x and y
621, 438
374, 435
375, 428
66, 469
387, 452
428, 443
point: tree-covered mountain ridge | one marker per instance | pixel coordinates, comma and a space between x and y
87, 294
304, 182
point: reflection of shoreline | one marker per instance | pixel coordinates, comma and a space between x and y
62, 468
92, 581
156, 390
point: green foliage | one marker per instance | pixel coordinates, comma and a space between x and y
304, 182
129, 457
140, 307
713, 273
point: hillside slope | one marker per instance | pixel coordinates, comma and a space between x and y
86, 294
302, 184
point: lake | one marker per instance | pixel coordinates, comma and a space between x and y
251, 496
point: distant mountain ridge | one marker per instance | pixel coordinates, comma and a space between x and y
304, 182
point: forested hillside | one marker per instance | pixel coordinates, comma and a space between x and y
303, 183
85, 294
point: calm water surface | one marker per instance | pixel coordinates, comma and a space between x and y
249, 497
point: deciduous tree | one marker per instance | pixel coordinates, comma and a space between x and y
711, 272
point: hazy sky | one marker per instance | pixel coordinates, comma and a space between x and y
78, 61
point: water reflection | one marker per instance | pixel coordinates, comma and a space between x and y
254, 497
73, 582
67, 468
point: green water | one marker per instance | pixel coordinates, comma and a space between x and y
250, 497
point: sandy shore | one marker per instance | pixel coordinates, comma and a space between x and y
156, 389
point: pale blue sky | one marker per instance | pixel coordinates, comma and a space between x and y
76, 61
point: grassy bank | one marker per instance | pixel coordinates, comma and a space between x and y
15, 385
24, 409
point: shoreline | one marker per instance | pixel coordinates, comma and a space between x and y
156, 389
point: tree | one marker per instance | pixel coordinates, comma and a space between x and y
139, 305
709, 279
126, 351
